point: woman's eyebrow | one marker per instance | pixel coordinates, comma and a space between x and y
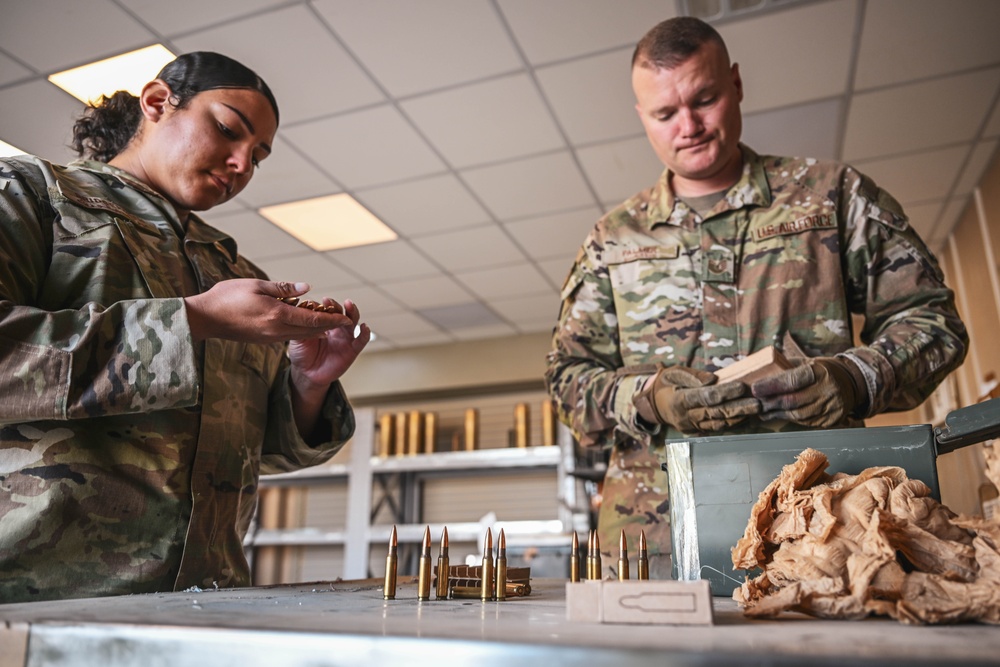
246, 121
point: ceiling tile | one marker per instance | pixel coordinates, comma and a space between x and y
585, 116
555, 235
794, 56
371, 301
404, 327
38, 118
992, 128
423, 206
923, 217
905, 40
529, 309
256, 237
366, 148
418, 293
487, 122
808, 130
178, 16
51, 35
312, 268
981, 157
437, 52
310, 73
620, 169
951, 110
505, 281
385, 261
286, 176
557, 269
558, 29
11, 70
530, 187
470, 248
919, 177
461, 316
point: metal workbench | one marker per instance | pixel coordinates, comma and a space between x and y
348, 623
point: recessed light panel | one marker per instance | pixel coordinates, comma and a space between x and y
129, 71
329, 223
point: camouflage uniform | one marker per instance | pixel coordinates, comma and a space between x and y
795, 247
129, 457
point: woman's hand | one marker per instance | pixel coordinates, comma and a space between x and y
319, 361
248, 310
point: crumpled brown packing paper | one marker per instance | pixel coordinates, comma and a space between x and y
850, 546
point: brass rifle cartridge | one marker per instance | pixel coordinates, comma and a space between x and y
501, 583
642, 564
622, 558
389, 589
441, 591
574, 559
386, 434
598, 566
486, 585
424, 571
430, 432
414, 432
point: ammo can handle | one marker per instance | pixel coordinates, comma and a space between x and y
967, 426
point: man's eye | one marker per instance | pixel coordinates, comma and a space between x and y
255, 162
226, 131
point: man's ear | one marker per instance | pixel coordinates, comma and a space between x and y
737, 80
154, 100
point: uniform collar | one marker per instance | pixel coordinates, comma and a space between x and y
196, 229
751, 190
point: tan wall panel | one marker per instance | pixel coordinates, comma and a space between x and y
989, 189
496, 362
982, 315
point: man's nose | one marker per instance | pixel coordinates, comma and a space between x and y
690, 122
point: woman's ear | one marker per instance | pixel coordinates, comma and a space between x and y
154, 100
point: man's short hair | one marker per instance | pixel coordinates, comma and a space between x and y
673, 41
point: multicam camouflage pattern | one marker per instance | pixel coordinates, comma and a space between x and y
795, 247
129, 457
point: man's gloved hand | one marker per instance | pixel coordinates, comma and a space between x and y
690, 401
819, 392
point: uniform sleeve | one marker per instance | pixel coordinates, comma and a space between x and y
86, 362
913, 337
284, 449
593, 395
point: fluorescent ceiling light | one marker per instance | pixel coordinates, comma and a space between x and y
6, 150
328, 223
129, 71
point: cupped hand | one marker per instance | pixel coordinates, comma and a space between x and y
248, 310
317, 361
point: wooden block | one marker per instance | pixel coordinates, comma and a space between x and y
760, 364
640, 602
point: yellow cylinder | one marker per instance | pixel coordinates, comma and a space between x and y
522, 431
430, 432
415, 432
400, 447
385, 434
548, 423
471, 429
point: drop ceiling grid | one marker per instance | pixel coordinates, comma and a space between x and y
491, 134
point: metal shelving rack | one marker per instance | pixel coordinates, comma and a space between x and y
374, 483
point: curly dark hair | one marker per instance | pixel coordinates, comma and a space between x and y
108, 125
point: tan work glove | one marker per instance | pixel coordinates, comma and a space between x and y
690, 401
820, 392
